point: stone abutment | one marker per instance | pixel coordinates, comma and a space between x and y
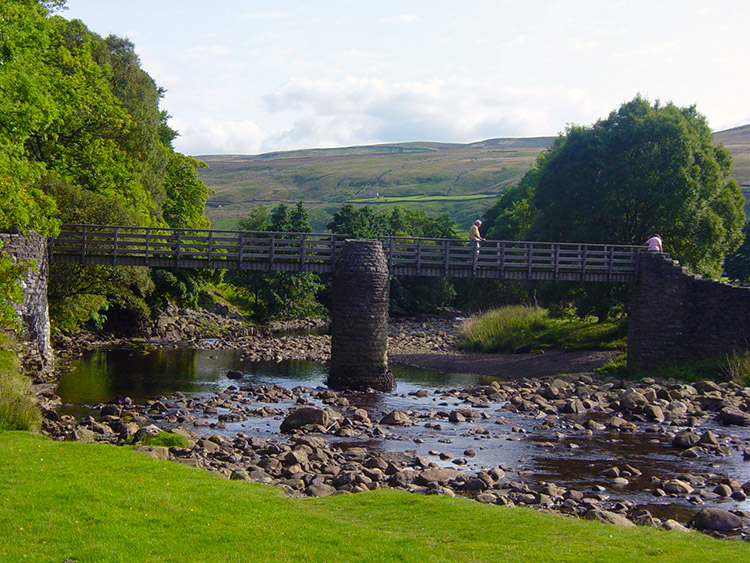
33, 311
675, 316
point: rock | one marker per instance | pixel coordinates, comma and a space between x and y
677, 487
654, 412
643, 518
440, 476
320, 490
733, 416
158, 452
233, 374
305, 416
674, 526
81, 434
607, 517
239, 475
685, 440
396, 418
715, 519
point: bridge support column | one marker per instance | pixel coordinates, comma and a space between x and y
359, 318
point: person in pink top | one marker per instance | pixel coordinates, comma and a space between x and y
654, 244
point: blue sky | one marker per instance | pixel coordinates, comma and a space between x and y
249, 77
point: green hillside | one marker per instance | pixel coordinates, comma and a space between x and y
459, 180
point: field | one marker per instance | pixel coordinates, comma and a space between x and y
458, 180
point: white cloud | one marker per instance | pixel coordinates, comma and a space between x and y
210, 136
358, 111
402, 19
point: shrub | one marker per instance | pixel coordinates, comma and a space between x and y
737, 368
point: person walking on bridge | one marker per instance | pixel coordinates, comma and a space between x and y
475, 237
655, 244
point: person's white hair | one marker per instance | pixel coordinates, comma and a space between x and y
477, 222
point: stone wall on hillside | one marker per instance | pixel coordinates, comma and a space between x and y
675, 316
34, 310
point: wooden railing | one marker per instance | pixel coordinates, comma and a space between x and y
316, 252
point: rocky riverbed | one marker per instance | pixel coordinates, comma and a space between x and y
317, 442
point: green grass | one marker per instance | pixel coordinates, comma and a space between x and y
18, 409
100, 503
519, 328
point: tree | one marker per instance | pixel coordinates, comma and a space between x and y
737, 263
645, 169
278, 295
82, 139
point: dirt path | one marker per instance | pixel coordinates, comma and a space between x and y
509, 365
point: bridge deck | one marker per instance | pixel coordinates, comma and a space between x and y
316, 252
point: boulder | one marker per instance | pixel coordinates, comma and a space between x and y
320, 490
733, 416
607, 517
677, 487
396, 418
715, 519
305, 416
439, 476
685, 440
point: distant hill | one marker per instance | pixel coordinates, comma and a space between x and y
459, 180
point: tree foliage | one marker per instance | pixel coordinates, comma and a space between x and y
278, 295
646, 169
82, 139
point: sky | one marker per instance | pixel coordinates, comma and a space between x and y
251, 77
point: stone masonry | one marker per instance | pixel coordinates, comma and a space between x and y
359, 318
34, 310
676, 316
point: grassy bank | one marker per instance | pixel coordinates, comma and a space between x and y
18, 409
100, 503
519, 328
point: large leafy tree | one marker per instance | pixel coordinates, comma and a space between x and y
82, 139
646, 169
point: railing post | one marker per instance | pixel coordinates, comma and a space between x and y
419, 256
446, 258
556, 254
302, 252
611, 262
178, 248
390, 253
583, 262
210, 248
148, 242
272, 251
529, 259
83, 244
114, 247
241, 251
502, 259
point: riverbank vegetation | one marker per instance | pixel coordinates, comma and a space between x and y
18, 407
55, 508
521, 328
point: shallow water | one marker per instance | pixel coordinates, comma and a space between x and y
565, 456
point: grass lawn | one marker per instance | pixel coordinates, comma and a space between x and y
98, 503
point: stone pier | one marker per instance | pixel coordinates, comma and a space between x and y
359, 318
675, 316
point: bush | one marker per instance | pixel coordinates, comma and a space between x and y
519, 328
737, 367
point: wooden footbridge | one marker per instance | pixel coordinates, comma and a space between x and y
317, 252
